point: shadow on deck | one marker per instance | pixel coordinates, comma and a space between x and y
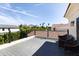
52, 49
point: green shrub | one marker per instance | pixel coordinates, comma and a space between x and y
1, 40
8, 37
24, 30
6, 40
15, 35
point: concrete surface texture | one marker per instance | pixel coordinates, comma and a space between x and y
24, 48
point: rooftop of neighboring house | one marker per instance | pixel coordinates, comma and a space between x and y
60, 25
31, 25
8, 26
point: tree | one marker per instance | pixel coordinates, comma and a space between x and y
5, 38
24, 30
48, 28
43, 24
21, 31
40, 24
1, 40
48, 24
9, 35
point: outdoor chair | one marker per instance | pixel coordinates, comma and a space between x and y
71, 45
61, 40
68, 43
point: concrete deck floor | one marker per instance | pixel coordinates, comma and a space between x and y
34, 47
24, 48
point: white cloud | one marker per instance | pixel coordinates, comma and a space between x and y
7, 20
17, 11
19, 20
38, 4
63, 21
5, 5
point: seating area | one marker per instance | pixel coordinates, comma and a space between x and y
68, 43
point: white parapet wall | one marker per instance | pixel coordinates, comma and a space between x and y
15, 42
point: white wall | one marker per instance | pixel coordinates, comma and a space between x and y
72, 29
6, 30
71, 15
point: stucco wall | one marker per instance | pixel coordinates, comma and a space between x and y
72, 29
52, 34
72, 14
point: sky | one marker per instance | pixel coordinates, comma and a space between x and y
33, 13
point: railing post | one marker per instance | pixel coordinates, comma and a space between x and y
34, 32
67, 31
54, 29
47, 33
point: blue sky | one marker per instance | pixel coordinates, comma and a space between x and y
32, 13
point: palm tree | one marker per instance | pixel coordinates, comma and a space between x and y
48, 24
40, 24
43, 23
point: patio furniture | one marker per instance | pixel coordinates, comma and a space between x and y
68, 43
62, 39
71, 45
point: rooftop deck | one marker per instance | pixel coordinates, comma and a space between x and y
32, 47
